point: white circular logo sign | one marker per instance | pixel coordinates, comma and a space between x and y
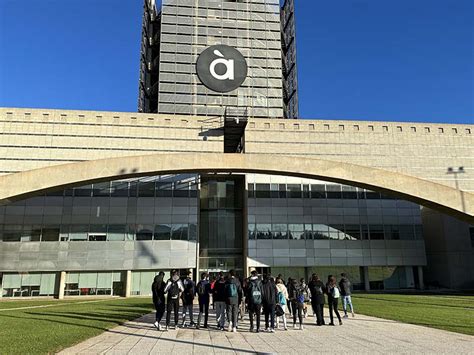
221, 68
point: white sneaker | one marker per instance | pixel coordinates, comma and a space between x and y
229, 328
272, 330
157, 325
294, 326
234, 330
301, 327
167, 328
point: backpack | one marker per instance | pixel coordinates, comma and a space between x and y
299, 295
255, 294
173, 291
188, 294
231, 290
335, 292
281, 299
279, 310
201, 289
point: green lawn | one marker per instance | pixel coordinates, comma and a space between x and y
62, 323
453, 313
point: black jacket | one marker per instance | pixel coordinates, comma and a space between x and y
206, 286
317, 290
219, 291
250, 286
158, 290
345, 286
270, 293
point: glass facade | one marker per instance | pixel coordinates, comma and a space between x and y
27, 284
318, 211
158, 208
94, 284
221, 223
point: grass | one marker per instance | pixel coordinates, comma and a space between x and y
452, 313
62, 323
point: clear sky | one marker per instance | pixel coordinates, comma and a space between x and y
404, 60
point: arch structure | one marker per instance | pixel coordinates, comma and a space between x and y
457, 203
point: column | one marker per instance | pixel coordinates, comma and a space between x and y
421, 281
128, 283
366, 278
62, 284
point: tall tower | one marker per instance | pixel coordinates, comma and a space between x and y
176, 33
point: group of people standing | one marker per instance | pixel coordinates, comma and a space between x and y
231, 298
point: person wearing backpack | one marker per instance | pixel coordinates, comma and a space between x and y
333, 299
219, 299
173, 288
203, 291
297, 302
254, 300
306, 294
317, 290
345, 286
282, 301
188, 299
269, 303
234, 293
158, 292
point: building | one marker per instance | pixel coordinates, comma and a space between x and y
211, 175
174, 35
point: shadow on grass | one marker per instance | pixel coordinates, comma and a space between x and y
112, 331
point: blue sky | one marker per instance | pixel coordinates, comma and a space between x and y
404, 60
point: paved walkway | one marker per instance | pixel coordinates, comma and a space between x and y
361, 334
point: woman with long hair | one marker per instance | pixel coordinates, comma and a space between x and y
158, 291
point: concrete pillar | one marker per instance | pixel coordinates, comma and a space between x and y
421, 281
62, 284
365, 270
128, 283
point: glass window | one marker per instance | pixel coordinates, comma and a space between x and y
50, 234
192, 231
320, 231
392, 232
407, 232
279, 231
181, 189
251, 190
296, 231
263, 190
162, 232
294, 190
164, 189
97, 237
116, 232
376, 232
146, 189
264, 231
144, 233
251, 230
283, 191
318, 191
179, 232
352, 232
274, 193
119, 189
83, 191
101, 189
419, 231
372, 195
334, 191
78, 232
349, 192
306, 193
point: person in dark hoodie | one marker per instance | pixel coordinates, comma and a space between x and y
317, 289
270, 300
203, 291
188, 299
254, 300
158, 292
234, 293
345, 287
219, 299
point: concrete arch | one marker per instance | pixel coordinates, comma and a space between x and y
457, 203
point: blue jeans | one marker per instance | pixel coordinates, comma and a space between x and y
346, 300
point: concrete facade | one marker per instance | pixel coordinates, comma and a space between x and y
36, 138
